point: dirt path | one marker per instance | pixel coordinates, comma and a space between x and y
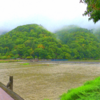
49, 81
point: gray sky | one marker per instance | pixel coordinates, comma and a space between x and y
52, 14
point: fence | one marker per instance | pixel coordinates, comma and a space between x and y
9, 89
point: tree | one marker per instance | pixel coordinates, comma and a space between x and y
93, 9
40, 53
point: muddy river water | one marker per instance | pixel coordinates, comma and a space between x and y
47, 80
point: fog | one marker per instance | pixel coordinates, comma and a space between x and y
52, 14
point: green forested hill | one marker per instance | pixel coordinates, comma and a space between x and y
63, 34
32, 41
83, 44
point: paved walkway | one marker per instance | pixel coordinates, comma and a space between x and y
4, 95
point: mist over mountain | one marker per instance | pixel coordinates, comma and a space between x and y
96, 32
72, 28
3, 31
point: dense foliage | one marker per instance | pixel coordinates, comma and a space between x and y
83, 44
34, 41
93, 9
89, 91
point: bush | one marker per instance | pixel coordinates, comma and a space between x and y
3, 57
29, 57
89, 91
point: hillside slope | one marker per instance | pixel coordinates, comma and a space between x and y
83, 44
31, 41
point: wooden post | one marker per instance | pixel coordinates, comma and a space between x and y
14, 95
11, 80
10, 83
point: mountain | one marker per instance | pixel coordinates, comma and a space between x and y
83, 44
71, 28
32, 41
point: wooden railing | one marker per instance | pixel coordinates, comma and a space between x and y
9, 89
10, 83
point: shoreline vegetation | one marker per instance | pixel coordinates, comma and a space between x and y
47, 60
65, 60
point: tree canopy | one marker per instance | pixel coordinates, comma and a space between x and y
93, 9
82, 43
34, 41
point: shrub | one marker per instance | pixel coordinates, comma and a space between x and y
89, 91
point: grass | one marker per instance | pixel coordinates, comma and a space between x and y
24, 64
89, 91
9, 60
32, 65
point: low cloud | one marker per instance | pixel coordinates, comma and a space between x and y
52, 14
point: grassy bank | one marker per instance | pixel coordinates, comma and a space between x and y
88, 60
8, 60
89, 91
24, 60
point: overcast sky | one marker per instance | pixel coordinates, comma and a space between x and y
52, 14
